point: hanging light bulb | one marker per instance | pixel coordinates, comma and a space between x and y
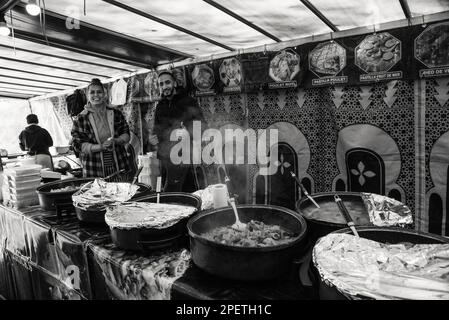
4, 30
32, 8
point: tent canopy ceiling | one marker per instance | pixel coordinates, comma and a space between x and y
76, 40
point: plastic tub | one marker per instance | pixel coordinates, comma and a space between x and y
24, 170
34, 182
23, 178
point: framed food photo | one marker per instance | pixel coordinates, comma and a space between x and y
327, 60
378, 55
230, 73
431, 51
285, 69
203, 79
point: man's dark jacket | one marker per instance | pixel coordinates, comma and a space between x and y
168, 117
35, 140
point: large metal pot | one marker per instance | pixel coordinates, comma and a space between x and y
95, 214
381, 234
318, 228
245, 263
50, 200
152, 238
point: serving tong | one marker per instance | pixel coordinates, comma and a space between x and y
303, 189
346, 214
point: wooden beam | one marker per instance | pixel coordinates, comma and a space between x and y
6, 5
166, 23
406, 9
65, 58
43, 74
29, 86
53, 67
243, 20
319, 14
17, 91
91, 40
35, 80
15, 95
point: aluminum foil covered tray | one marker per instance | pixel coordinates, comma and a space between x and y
99, 193
146, 215
384, 211
362, 268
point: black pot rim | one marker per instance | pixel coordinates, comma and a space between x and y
208, 242
55, 183
175, 194
320, 222
362, 229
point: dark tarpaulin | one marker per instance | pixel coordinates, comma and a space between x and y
6, 288
131, 275
48, 287
15, 233
255, 68
39, 237
21, 278
71, 241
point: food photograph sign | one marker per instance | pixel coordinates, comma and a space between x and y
376, 55
432, 50
230, 72
284, 69
326, 61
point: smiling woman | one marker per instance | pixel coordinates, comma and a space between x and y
100, 135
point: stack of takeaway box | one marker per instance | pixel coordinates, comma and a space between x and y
19, 186
150, 169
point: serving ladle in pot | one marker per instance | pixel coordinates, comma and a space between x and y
303, 189
238, 225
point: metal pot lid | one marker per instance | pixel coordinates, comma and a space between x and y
132, 215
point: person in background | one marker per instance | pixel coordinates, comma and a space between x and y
37, 141
176, 110
99, 135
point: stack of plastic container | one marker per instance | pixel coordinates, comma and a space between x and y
150, 170
19, 185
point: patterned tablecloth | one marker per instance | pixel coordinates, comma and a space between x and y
137, 276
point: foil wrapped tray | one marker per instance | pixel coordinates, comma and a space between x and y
133, 215
384, 211
100, 193
360, 268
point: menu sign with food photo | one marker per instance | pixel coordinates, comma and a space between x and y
376, 55
432, 50
255, 71
327, 60
203, 79
284, 68
230, 72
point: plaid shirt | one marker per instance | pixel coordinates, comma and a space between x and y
82, 131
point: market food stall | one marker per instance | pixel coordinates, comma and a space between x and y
338, 117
